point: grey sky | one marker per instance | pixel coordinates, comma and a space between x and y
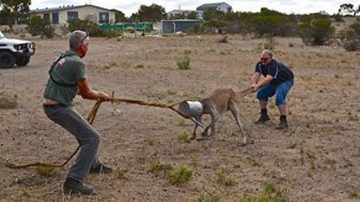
285, 6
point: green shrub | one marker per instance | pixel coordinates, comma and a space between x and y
157, 167
223, 178
196, 29
46, 171
183, 63
184, 137
355, 194
350, 37
181, 176
207, 198
91, 27
40, 26
316, 31
270, 193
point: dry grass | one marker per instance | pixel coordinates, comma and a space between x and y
142, 144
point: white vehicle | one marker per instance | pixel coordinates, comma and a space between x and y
14, 51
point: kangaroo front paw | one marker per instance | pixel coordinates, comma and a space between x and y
204, 134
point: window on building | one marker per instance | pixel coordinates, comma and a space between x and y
103, 17
72, 15
55, 18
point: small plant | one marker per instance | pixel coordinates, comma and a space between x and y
355, 194
270, 193
310, 154
184, 137
184, 63
253, 162
181, 122
181, 176
171, 92
157, 167
207, 198
121, 173
223, 178
46, 171
151, 142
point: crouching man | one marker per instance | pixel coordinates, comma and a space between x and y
278, 81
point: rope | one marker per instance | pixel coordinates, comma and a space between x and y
90, 119
92, 115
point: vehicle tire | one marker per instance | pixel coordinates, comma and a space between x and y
22, 60
7, 59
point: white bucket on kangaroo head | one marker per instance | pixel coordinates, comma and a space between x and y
191, 108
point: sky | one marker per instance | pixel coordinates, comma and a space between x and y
285, 6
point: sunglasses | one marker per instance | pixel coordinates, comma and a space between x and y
264, 59
86, 36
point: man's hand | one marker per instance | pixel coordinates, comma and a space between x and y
104, 97
255, 87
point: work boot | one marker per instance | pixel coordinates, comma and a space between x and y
101, 168
283, 123
74, 186
263, 117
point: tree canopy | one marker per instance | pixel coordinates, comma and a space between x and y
150, 13
349, 9
13, 9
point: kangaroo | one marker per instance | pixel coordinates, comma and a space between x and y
220, 101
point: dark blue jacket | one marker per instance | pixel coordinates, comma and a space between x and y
277, 70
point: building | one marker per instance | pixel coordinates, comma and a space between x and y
181, 14
222, 6
178, 25
63, 14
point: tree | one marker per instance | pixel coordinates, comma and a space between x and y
13, 9
40, 26
350, 37
120, 16
317, 31
349, 8
213, 14
152, 13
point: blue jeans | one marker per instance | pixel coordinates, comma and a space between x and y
279, 90
86, 135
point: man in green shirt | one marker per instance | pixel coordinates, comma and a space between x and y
68, 78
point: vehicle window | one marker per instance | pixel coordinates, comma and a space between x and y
1, 35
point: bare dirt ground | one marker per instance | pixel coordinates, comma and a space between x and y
316, 159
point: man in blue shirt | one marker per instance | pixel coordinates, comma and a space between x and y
278, 81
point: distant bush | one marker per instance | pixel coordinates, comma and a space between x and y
40, 26
196, 29
350, 37
317, 31
91, 27
184, 63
